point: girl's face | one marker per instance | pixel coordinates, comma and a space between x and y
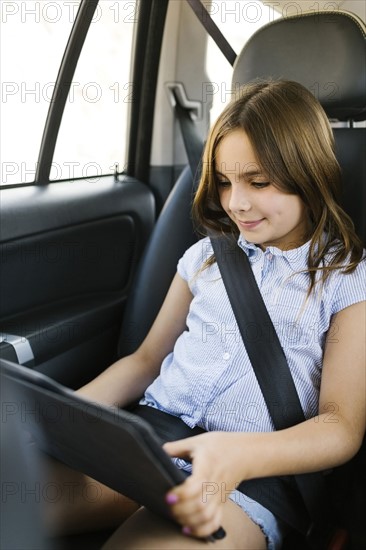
264, 215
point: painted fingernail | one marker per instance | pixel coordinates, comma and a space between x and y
187, 531
171, 498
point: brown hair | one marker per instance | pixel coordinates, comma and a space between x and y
292, 139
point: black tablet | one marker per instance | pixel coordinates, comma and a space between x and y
112, 446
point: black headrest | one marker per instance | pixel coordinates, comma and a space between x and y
325, 51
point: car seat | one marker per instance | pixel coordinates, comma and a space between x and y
325, 52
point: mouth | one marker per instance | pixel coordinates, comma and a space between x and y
249, 224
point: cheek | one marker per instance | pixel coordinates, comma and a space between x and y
298, 209
224, 200
285, 207
275, 207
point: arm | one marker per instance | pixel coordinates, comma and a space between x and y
335, 435
127, 379
327, 440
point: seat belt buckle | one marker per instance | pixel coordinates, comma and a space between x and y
177, 92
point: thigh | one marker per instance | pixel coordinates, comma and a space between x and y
76, 503
147, 531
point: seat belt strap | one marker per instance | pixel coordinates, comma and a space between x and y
258, 333
193, 143
213, 30
266, 356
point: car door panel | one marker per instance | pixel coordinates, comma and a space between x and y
68, 257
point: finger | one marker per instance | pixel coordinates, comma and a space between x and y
190, 506
194, 512
187, 491
205, 529
195, 489
181, 448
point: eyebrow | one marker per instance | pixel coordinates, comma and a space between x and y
253, 173
249, 174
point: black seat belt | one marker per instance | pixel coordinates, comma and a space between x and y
193, 143
213, 30
272, 372
279, 391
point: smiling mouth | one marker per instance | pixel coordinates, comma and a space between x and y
250, 224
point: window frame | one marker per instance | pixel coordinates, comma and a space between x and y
145, 62
61, 90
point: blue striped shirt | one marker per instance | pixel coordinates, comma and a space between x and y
208, 379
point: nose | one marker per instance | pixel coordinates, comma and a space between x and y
239, 200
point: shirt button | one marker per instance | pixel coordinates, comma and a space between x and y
226, 356
270, 255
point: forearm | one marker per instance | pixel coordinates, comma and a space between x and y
127, 379
224, 459
314, 445
122, 383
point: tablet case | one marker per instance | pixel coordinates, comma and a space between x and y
112, 446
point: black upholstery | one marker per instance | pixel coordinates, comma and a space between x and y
172, 235
351, 154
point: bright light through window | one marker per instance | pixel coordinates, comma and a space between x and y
93, 132
92, 137
237, 21
33, 39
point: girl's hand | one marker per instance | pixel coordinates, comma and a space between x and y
197, 503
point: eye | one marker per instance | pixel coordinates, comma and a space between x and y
260, 184
222, 183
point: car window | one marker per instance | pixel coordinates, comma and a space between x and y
33, 39
92, 135
237, 21
93, 132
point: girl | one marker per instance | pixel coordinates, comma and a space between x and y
270, 177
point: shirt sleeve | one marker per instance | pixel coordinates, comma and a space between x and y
351, 288
183, 265
193, 259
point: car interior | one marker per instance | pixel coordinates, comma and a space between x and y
86, 263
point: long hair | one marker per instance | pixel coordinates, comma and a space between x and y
293, 142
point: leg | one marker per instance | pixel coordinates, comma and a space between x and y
82, 504
147, 531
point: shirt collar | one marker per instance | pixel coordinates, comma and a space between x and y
297, 258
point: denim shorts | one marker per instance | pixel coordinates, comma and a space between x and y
272, 528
